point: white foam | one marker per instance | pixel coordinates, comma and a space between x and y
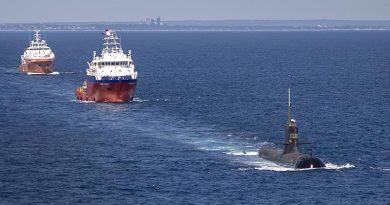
244, 169
335, 166
28, 73
382, 169
81, 101
270, 166
276, 169
137, 99
243, 153
209, 149
52, 73
264, 165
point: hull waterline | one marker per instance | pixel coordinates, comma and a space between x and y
118, 92
37, 66
295, 159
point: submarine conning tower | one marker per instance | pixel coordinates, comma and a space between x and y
291, 141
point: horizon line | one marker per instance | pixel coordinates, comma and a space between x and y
202, 20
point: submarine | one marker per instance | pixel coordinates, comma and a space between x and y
290, 154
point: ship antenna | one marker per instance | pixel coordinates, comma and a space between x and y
289, 106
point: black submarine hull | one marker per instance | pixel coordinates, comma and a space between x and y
296, 159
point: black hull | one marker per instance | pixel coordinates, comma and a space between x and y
307, 161
295, 159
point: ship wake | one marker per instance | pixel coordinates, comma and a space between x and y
240, 148
52, 73
248, 155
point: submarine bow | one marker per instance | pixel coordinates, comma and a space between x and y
306, 162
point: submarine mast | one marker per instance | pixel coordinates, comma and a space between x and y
289, 107
291, 143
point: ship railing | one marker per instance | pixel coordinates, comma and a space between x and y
128, 77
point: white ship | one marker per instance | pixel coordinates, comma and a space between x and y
38, 58
111, 77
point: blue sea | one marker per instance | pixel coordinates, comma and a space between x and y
205, 103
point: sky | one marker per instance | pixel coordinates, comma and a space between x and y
35, 11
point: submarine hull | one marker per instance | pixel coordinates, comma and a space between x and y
307, 161
296, 159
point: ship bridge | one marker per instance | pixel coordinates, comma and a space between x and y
113, 61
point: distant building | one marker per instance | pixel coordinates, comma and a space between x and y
156, 22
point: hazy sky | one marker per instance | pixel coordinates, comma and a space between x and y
15, 11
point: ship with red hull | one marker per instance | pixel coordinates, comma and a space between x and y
111, 77
38, 58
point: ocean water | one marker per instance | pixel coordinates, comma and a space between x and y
205, 103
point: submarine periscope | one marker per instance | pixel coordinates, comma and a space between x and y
290, 154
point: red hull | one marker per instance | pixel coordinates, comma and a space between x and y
41, 66
106, 92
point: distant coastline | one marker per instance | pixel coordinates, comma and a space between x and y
211, 25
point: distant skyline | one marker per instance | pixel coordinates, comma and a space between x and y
27, 11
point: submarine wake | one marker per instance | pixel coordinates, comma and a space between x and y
250, 157
335, 166
265, 165
139, 100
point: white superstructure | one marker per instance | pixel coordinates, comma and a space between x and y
113, 63
38, 50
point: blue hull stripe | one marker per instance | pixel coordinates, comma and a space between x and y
121, 79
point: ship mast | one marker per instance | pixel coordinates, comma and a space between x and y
37, 36
112, 43
289, 107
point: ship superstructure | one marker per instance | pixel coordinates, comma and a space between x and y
111, 77
38, 58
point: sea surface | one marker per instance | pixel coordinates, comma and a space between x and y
205, 103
